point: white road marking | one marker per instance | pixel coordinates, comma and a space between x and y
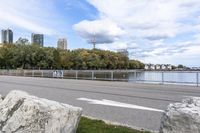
189, 96
117, 104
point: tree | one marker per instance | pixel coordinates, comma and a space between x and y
34, 56
180, 66
56, 59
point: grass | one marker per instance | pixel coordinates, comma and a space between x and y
97, 126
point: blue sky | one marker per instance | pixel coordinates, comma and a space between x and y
155, 31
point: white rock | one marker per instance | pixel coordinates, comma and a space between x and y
182, 117
22, 113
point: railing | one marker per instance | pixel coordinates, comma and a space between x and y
160, 77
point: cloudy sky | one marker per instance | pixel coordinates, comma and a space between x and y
154, 31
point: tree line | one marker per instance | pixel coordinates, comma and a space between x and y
35, 57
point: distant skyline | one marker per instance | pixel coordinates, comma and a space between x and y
154, 31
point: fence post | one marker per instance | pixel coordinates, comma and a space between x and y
135, 76
76, 74
197, 79
33, 73
163, 78
42, 74
92, 75
111, 75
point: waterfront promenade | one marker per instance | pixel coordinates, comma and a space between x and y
137, 105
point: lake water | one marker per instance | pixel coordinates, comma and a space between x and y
172, 77
165, 77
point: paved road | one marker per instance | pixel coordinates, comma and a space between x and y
120, 98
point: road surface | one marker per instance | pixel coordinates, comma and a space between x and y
136, 105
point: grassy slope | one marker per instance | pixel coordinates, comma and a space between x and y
97, 126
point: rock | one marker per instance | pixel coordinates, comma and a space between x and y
182, 117
22, 113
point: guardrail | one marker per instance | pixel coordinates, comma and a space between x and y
160, 77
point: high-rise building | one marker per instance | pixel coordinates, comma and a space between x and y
62, 44
7, 36
37, 39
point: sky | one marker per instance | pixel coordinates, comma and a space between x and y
153, 31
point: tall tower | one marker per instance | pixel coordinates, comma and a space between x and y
37, 39
62, 44
94, 42
7, 36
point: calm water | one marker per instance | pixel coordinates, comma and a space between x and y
153, 77
167, 77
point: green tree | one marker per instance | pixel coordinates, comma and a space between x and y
34, 56
180, 66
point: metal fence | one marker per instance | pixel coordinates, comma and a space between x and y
139, 76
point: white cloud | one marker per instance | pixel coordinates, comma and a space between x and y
118, 45
189, 57
175, 53
104, 31
150, 22
32, 15
157, 18
23, 23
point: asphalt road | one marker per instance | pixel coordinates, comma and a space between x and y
122, 101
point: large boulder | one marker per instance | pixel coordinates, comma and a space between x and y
22, 113
182, 117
